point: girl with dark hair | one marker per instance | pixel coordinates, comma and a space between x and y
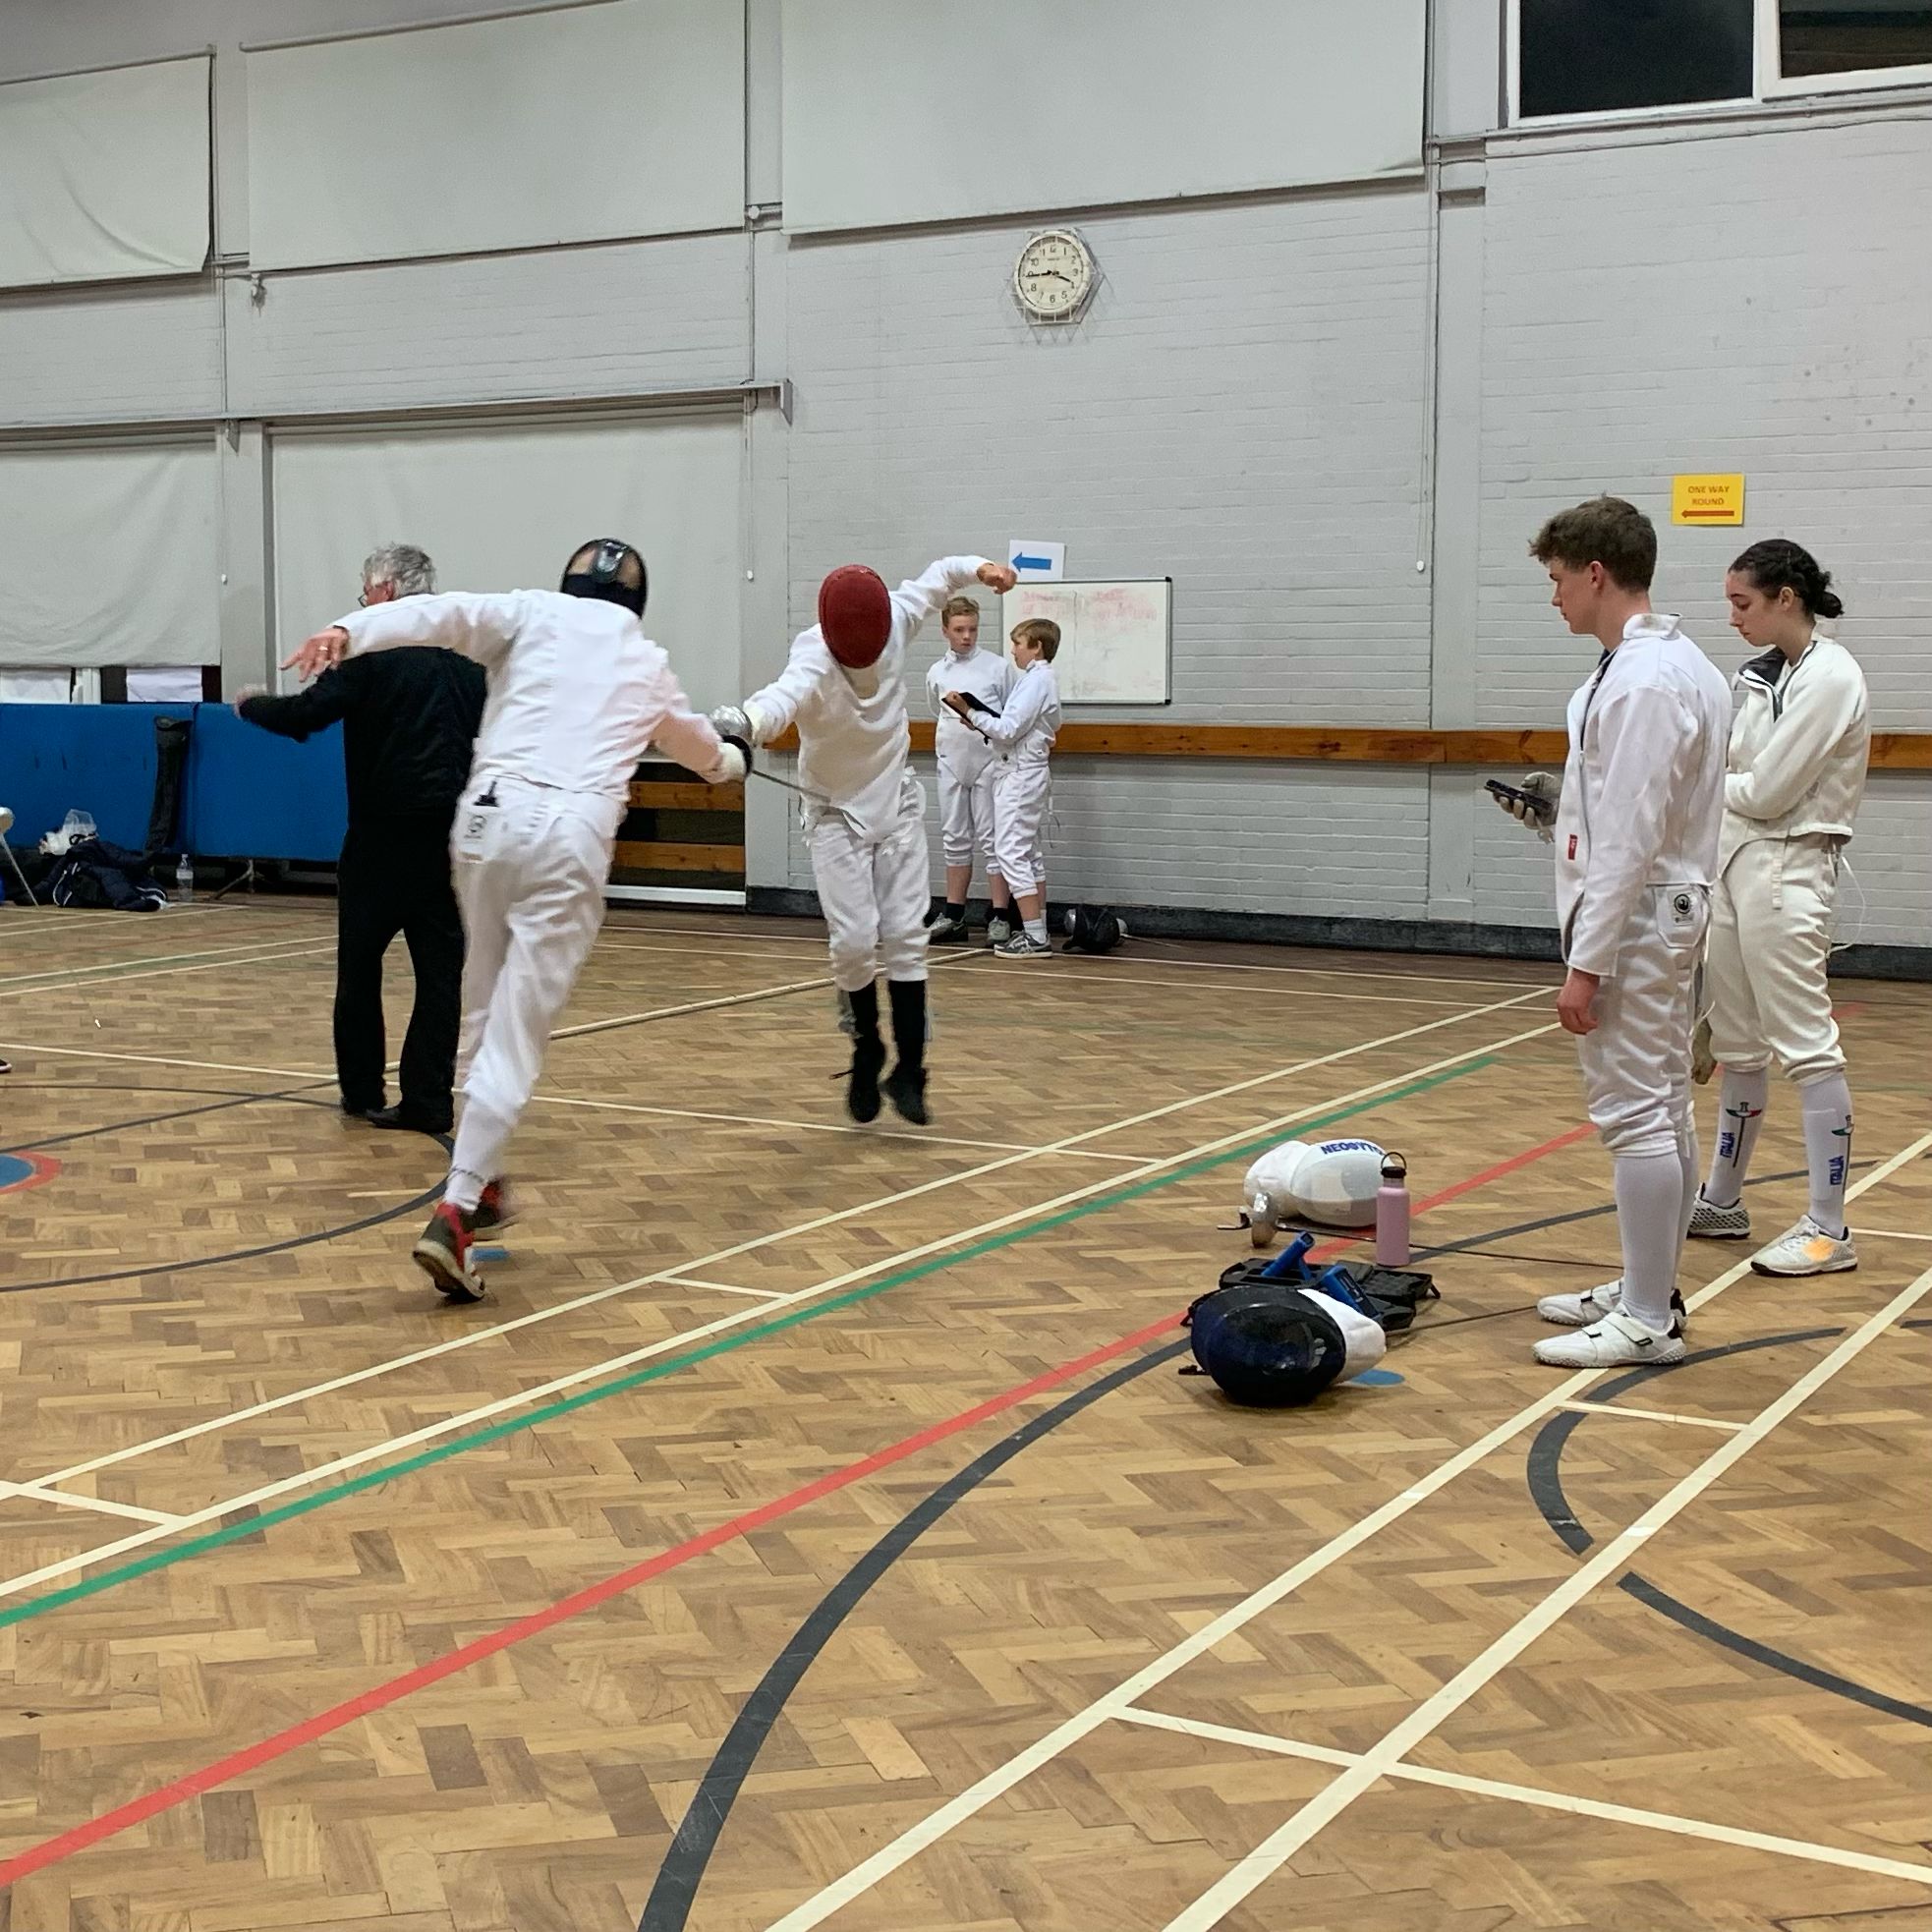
1799, 737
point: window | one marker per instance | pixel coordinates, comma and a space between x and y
1617, 57
1871, 40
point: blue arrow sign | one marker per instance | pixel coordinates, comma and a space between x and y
1032, 563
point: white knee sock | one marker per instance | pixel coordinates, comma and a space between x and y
1739, 1121
1650, 1211
480, 1137
1827, 1108
1687, 1166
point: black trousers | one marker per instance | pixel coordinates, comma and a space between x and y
391, 879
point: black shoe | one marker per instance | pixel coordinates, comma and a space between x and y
862, 1083
402, 1117
905, 1088
355, 1111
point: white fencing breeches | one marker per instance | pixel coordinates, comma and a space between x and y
1636, 1064
966, 812
873, 893
1770, 941
1019, 810
530, 886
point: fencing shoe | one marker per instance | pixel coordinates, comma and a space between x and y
442, 1252
1710, 1223
1809, 1248
1619, 1340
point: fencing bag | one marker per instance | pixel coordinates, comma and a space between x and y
171, 736
1270, 1345
1093, 929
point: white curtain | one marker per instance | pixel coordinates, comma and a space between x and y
109, 555
931, 110
501, 508
577, 125
105, 175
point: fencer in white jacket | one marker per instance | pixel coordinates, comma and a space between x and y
1800, 736
864, 813
577, 695
1022, 736
967, 771
1636, 846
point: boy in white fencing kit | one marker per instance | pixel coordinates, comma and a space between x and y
967, 772
577, 694
844, 685
1799, 740
1636, 843
1022, 736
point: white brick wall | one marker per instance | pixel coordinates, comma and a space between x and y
1748, 303
109, 355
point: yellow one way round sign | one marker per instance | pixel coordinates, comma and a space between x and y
1707, 499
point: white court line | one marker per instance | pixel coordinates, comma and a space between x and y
35, 1494
1328, 1804
1544, 1801
936, 1825
376, 1451
831, 1127
166, 972
161, 1059
1649, 1415
722, 1287
1892, 1233
146, 959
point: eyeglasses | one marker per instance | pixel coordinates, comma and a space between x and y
362, 603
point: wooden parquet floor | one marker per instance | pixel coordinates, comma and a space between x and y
814, 1527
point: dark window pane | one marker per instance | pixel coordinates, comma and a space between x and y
1820, 38
1588, 56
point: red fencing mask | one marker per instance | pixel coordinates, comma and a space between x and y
855, 613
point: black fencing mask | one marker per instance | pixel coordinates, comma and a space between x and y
605, 571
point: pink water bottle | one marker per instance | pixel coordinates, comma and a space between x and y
1392, 1212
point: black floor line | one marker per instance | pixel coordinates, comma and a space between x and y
1545, 1474
291, 1093
675, 1890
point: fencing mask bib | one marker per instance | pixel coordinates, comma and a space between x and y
855, 615
603, 573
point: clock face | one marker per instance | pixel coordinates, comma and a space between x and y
1053, 276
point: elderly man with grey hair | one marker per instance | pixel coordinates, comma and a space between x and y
409, 721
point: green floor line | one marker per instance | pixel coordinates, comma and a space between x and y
668, 1365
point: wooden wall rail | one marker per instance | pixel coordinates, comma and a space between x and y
1322, 744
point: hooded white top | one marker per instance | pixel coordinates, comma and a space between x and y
1800, 736
987, 675
1643, 789
577, 693
852, 727
1025, 730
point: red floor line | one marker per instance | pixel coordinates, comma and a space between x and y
252, 1757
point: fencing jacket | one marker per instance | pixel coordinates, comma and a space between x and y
1800, 735
1024, 732
852, 726
1643, 788
989, 677
577, 693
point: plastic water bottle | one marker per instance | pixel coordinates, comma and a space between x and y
184, 880
1392, 1214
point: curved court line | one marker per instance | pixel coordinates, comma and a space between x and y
1546, 1488
156, 1120
727, 1334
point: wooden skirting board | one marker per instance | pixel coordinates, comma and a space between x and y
1892, 751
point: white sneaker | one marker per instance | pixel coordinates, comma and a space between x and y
1807, 1249
1023, 945
1710, 1223
1578, 1311
998, 931
1617, 1340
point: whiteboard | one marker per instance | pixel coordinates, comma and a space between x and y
1115, 638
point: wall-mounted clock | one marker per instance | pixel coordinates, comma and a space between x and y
1053, 276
